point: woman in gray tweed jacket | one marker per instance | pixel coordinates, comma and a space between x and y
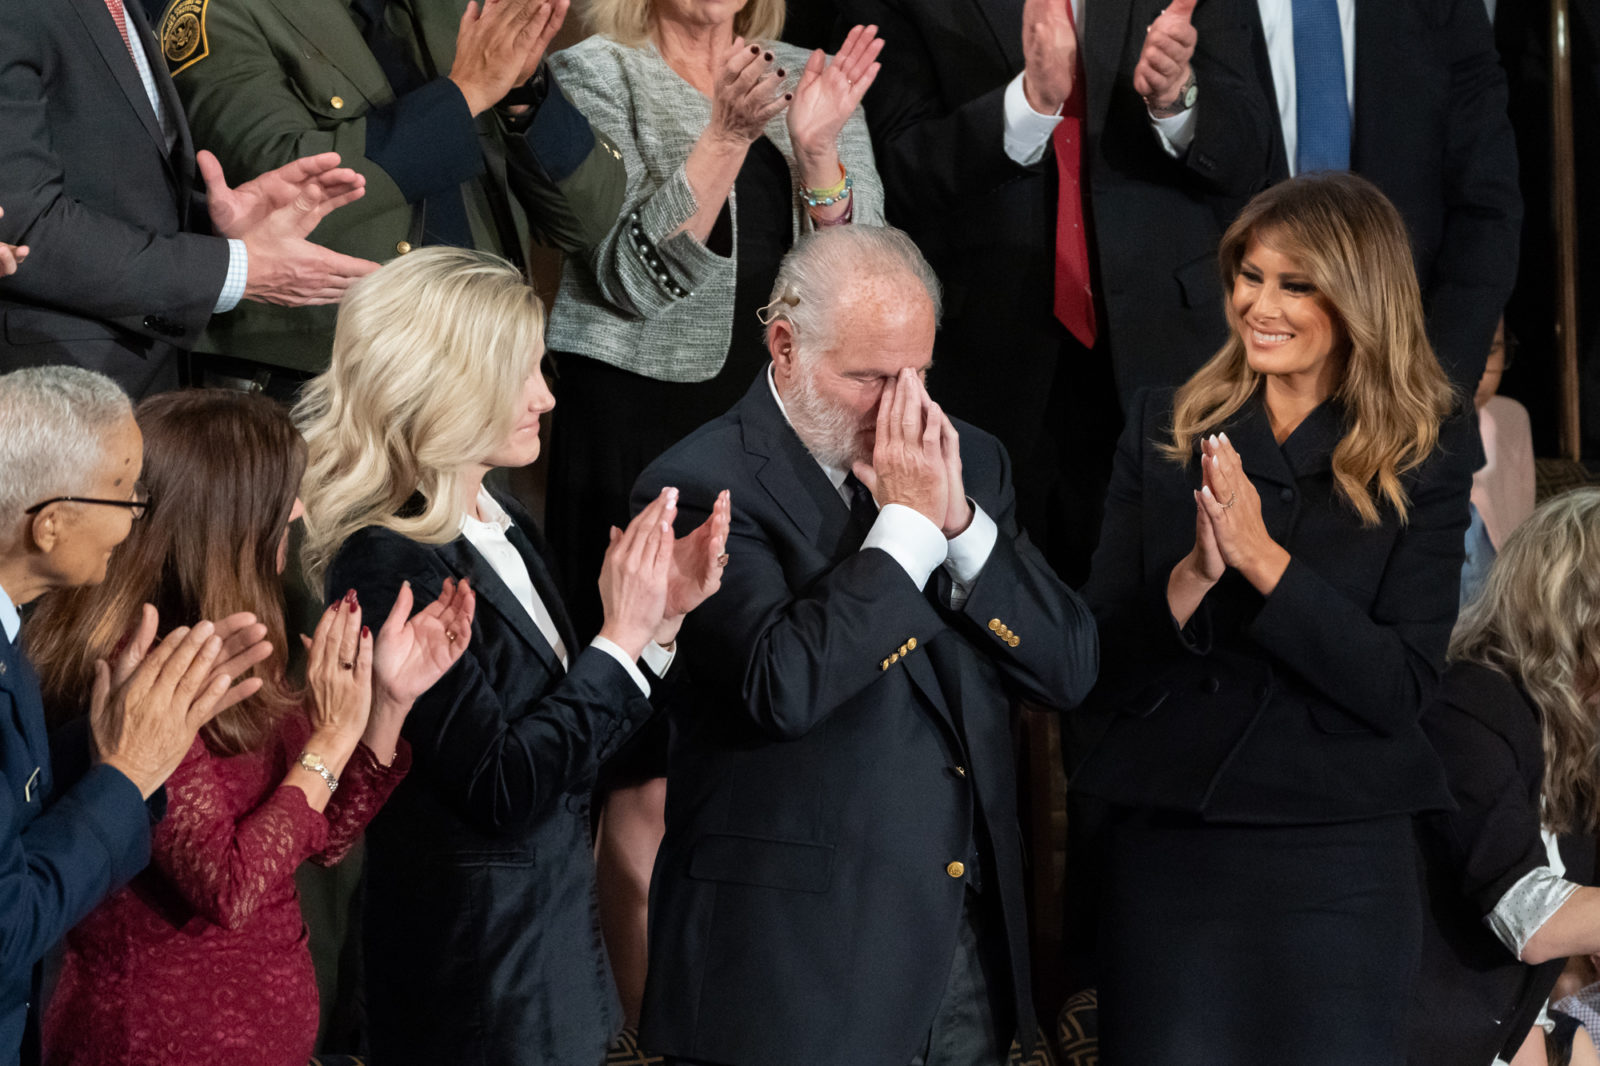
735, 147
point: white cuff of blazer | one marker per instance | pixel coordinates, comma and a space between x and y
1027, 132
1527, 905
912, 540
657, 658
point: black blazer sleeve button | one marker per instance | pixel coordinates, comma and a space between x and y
1286, 495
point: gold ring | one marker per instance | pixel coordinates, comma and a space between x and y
1233, 498
347, 666
722, 560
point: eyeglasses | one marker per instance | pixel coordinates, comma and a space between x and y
137, 506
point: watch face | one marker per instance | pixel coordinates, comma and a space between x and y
1189, 95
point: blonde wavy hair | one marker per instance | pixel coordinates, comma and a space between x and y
633, 22
427, 354
1349, 239
1537, 621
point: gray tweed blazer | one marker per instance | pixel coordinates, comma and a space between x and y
643, 300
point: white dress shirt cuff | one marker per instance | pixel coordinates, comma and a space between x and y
910, 538
238, 273
1175, 133
612, 649
1027, 131
968, 553
1526, 906
659, 659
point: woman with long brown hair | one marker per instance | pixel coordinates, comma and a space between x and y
202, 958
1275, 586
1511, 870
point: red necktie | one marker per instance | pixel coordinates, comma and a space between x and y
121, 19
1074, 304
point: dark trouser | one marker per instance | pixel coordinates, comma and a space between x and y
972, 1027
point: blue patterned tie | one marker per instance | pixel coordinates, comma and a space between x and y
1322, 108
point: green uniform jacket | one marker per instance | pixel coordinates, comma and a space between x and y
265, 82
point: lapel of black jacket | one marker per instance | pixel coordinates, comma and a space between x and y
525, 536
1259, 452
796, 482
100, 28
1278, 165
181, 158
1103, 29
1005, 23
465, 561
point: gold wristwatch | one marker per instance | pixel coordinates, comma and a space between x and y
310, 760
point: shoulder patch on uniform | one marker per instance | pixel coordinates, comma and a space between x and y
183, 33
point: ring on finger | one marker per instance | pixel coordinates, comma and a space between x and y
722, 560
450, 635
1233, 498
346, 665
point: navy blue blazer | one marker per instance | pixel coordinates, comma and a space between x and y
482, 935
846, 738
59, 856
1295, 708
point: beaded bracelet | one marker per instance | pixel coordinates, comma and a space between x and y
843, 220
830, 196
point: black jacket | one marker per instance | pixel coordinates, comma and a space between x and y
848, 740
1474, 999
1300, 707
482, 939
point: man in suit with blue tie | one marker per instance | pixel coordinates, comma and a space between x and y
841, 877
70, 454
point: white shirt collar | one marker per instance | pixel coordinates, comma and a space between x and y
10, 617
494, 516
835, 475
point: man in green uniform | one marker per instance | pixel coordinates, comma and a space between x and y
445, 106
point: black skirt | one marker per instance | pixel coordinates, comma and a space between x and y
1232, 945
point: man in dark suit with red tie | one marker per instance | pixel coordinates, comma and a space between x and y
129, 259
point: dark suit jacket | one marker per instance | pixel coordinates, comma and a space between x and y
1299, 707
1432, 131
988, 225
482, 941
59, 854
1474, 999
847, 739
123, 271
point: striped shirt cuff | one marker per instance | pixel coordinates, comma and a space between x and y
238, 273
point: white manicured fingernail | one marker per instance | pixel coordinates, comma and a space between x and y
1225, 438
1205, 490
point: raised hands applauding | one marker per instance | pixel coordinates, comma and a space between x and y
1050, 54
500, 45
1163, 68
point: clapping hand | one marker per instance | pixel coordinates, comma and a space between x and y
827, 95
274, 214
500, 44
412, 653
145, 712
697, 564
1163, 67
1050, 54
339, 676
11, 256
633, 578
747, 94
1233, 507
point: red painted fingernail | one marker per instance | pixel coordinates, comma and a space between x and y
755, 49
350, 598
782, 72
788, 96
365, 632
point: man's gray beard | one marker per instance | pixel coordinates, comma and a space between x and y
827, 430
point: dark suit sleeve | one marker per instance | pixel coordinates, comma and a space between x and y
1476, 267
497, 764
1137, 630
930, 157
81, 259
1058, 652
1234, 121
87, 843
1493, 838
1383, 666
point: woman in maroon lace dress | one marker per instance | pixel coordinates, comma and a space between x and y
203, 957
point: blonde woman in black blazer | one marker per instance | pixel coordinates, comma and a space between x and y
1275, 587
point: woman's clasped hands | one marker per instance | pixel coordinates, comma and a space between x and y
1229, 532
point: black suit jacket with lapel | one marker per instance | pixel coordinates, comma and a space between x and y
1295, 708
988, 225
60, 853
1474, 999
123, 270
482, 940
847, 738
1431, 129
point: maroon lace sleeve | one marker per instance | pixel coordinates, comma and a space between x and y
363, 787
222, 866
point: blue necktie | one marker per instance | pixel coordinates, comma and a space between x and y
1322, 109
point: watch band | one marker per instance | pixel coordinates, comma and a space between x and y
1181, 103
313, 762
